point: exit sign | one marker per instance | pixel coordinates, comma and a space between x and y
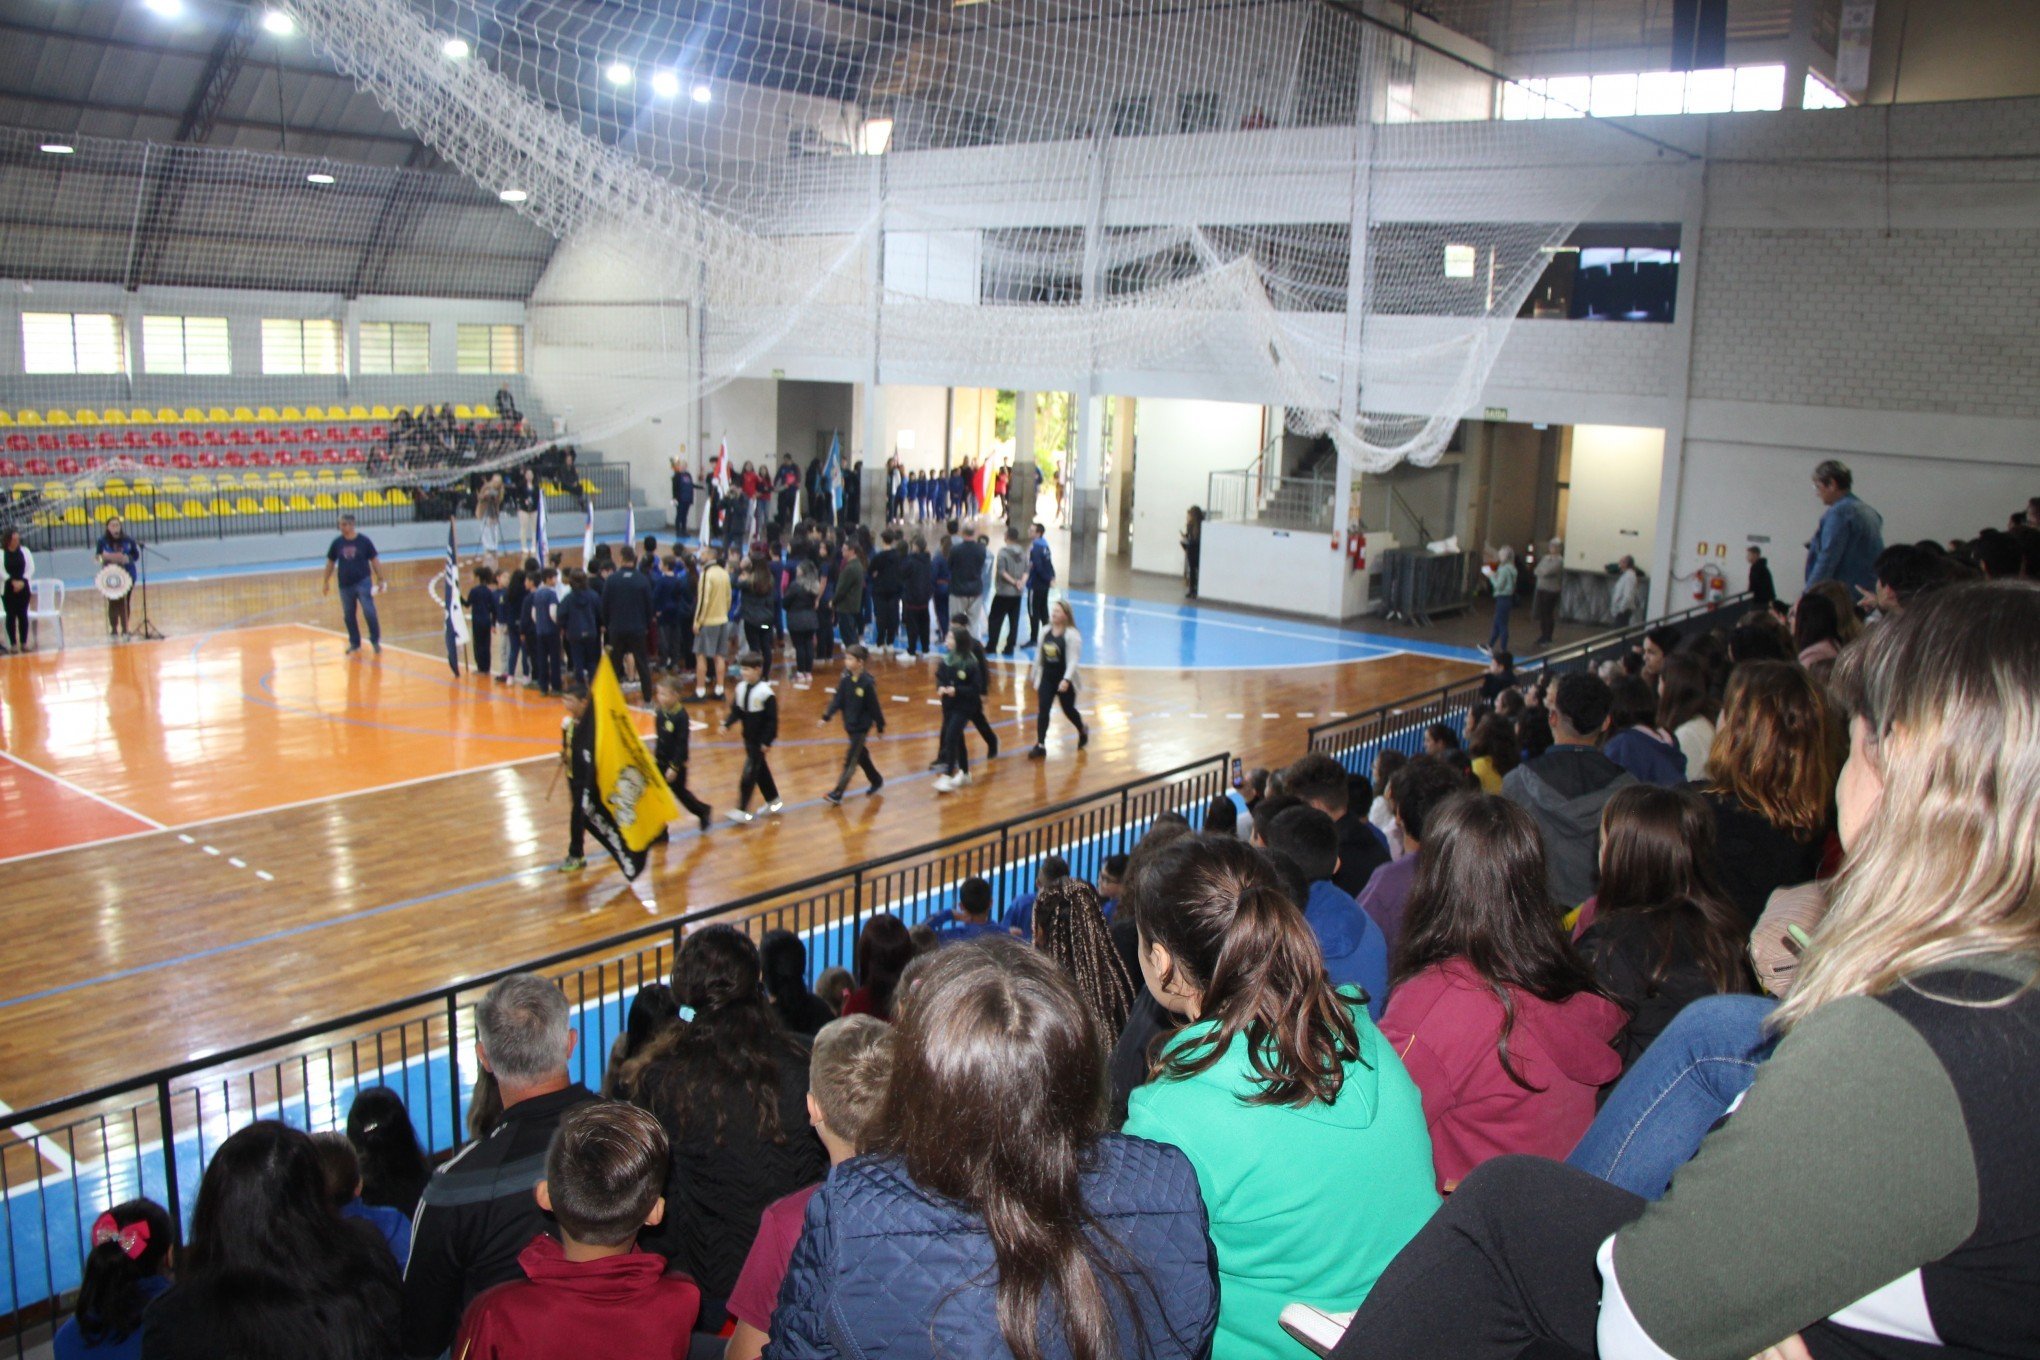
1497, 413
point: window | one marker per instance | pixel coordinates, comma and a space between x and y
395, 347
1459, 261
68, 342
1821, 95
186, 344
489, 349
292, 347
1621, 94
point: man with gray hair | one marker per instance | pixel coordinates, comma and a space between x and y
478, 1211
1850, 536
1550, 576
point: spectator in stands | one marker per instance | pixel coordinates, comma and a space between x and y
1658, 643
627, 619
1761, 590
1502, 579
593, 1284
1354, 951
652, 1010
1019, 918
1440, 738
1686, 709
1566, 788
1380, 814
1771, 780
269, 1266
1635, 742
1550, 576
1759, 637
1845, 545
970, 1230
731, 1088
833, 986
1417, 788
393, 1165
883, 952
1661, 932
1625, 599
1274, 1057
1222, 816
1070, 928
343, 1191
782, 958
1495, 750
477, 1212
847, 1077
1134, 1051
973, 916
1917, 996
125, 1267
1500, 1022
1816, 634
1320, 781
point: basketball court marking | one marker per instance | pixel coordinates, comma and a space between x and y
83, 792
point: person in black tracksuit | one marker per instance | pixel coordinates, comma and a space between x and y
959, 680
627, 618
753, 706
669, 746
577, 753
917, 591
857, 699
482, 605
883, 580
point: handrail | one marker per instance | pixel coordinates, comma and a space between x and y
1326, 736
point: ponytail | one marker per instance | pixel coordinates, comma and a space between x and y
129, 1245
1218, 907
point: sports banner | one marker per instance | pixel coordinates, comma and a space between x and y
630, 803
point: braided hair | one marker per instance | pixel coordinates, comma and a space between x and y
1069, 927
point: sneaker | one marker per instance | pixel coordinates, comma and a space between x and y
992, 749
945, 783
874, 788
775, 806
705, 819
834, 798
377, 646
718, 691
739, 816
350, 651
1314, 1327
1083, 737
959, 779
1038, 753
572, 864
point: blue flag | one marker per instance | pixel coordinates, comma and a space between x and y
832, 472
449, 583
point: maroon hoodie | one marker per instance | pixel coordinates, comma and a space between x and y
1445, 1022
625, 1307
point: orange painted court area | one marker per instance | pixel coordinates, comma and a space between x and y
106, 741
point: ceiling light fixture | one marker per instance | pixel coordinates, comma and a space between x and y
277, 22
619, 73
513, 195
701, 94
58, 148
318, 177
454, 48
665, 84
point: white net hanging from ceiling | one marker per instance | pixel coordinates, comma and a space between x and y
1038, 193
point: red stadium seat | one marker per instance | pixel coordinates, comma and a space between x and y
333, 456
235, 460
237, 436
69, 466
260, 459
286, 435
135, 439
208, 460
213, 439
19, 443
48, 443
109, 439
9, 468
285, 458
155, 460
356, 432
77, 439
38, 467
334, 435
356, 456
376, 432
183, 462
162, 439
94, 463
188, 438
262, 434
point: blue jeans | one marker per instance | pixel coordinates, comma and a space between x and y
1498, 636
361, 594
1655, 1118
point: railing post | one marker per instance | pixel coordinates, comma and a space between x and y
164, 1117
457, 1124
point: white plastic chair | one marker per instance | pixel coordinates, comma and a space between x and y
46, 602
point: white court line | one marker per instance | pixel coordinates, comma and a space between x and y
82, 791
44, 1146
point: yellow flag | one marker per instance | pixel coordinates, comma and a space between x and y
626, 777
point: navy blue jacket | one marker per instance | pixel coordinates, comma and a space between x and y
885, 1270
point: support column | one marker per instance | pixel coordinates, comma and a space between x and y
1087, 490
871, 498
1352, 375
1026, 479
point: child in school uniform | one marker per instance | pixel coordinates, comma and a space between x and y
669, 746
856, 698
753, 706
544, 602
581, 624
592, 1287
481, 603
577, 753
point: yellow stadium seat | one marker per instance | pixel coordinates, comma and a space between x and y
323, 501
398, 496
245, 505
290, 413
242, 415
275, 504
321, 413
173, 482
6, 419
298, 502
25, 488
217, 415
201, 481
113, 415
359, 412
87, 417
349, 501
374, 500
588, 487
167, 511
266, 413
464, 412
278, 475
166, 415
75, 515
327, 474
137, 512
142, 488
116, 486
141, 415
379, 413
222, 506
193, 416
29, 418
56, 417
302, 475
195, 508
350, 474
484, 413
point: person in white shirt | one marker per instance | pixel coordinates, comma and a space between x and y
1625, 602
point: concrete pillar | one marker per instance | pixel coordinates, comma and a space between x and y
871, 503
1026, 479
1087, 490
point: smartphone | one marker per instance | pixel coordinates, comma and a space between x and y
1239, 775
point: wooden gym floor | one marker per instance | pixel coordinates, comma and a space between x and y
239, 829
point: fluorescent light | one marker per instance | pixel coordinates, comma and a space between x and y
665, 84
277, 22
701, 94
318, 177
619, 73
58, 148
167, 9
513, 195
456, 48
877, 136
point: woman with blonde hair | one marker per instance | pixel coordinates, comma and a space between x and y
1872, 1194
1053, 673
1771, 782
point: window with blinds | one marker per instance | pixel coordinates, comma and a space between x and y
293, 346
72, 342
186, 344
395, 347
489, 349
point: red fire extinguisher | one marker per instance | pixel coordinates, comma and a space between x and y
1356, 549
1710, 587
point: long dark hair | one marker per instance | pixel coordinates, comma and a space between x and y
1496, 739
728, 1053
1218, 906
652, 1010
267, 1252
1069, 927
1657, 856
783, 959
884, 949
110, 1297
1480, 897
996, 1096
1683, 694
393, 1165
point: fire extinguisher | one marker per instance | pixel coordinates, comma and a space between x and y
1711, 587
1356, 549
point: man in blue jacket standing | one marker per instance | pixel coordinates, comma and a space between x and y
1845, 546
1040, 576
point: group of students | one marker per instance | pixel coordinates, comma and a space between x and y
921, 496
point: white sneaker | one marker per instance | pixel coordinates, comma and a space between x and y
740, 816
945, 783
959, 779
774, 806
901, 654
1314, 1327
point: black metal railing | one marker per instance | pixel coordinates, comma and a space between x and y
64, 1161
1354, 740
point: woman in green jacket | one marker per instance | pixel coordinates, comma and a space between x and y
1306, 1133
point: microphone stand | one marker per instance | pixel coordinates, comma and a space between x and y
149, 632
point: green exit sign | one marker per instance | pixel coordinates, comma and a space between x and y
1497, 413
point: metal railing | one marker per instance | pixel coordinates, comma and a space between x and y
1354, 740
64, 1161
1252, 497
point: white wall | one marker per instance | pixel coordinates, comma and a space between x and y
744, 411
1177, 446
1614, 510
918, 416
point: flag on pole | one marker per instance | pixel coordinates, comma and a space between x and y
588, 536
630, 526
449, 583
541, 526
832, 473
629, 803
720, 478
